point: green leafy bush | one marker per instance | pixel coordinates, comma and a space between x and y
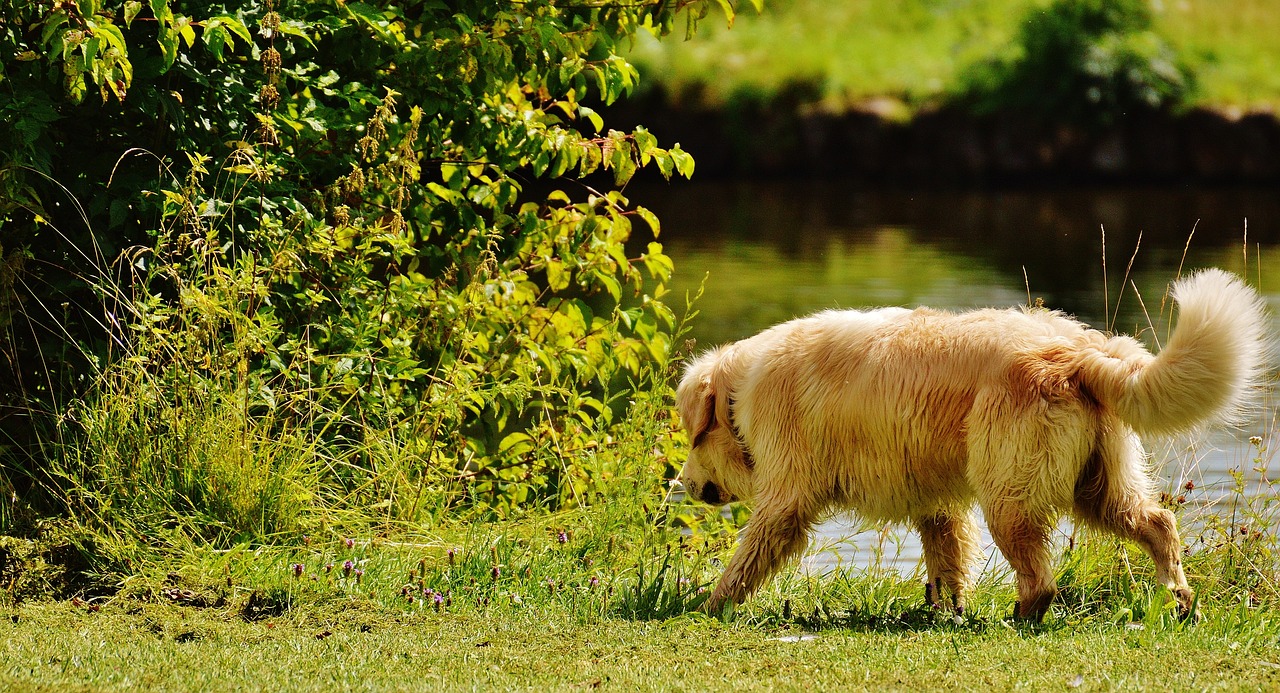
286, 256
1083, 61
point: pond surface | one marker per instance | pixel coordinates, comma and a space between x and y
765, 252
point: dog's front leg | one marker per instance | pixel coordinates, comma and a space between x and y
774, 534
950, 541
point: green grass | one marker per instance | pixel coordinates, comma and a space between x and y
240, 619
897, 56
607, 596
1234, 46
62, 647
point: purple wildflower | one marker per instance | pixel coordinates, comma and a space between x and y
451, 553
351, 543
594, 582
562, 537
347, 565
328, 567
297, 569
359, 574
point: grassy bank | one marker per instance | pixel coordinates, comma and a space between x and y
606, 596
894, 57
603, 603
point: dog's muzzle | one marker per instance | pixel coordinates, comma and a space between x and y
707, 493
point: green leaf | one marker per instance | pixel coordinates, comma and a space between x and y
624, 164
89, 49
557, 276
652, 220
590, 159
682, 160
188, 34
666, 164
516, 444
597, 123
659, 264
727, 8
446, 194
290, 28
216, 37
610, 282
371, 17
51, 26
168, 40
113, 36
237, 27
645, 141
131, 10
160, 10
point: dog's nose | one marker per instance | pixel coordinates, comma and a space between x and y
711, 493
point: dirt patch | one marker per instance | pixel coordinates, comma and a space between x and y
45, 567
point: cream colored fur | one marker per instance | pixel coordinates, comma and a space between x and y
916, 415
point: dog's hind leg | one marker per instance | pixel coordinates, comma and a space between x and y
777, 531
1112, 494
950, 540
1023, 538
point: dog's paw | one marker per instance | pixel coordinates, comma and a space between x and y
715, 604
1033, 612
1187, 604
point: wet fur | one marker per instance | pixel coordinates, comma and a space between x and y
916, 415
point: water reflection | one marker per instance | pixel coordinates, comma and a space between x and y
776, 250
767, 252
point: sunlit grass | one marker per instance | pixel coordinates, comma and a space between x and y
1234, 48
589, 598
914, 52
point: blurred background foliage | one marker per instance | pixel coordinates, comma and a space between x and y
895, 58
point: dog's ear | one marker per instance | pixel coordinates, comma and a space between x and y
696, 400
707, 420
705, 393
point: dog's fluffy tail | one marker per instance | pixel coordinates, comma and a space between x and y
1203, 375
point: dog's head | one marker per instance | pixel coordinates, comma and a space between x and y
718, 470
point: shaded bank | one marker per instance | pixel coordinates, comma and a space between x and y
785, 137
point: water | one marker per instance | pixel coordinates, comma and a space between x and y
766, 252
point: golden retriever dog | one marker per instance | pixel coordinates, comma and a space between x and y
913, 415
